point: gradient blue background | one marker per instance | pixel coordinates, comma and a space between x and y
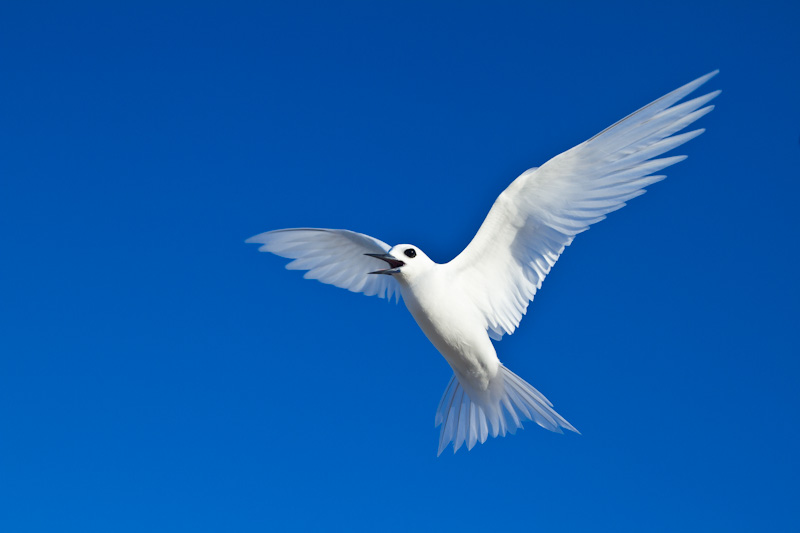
157, 374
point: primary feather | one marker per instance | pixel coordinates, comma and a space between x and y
540, 213
333, 256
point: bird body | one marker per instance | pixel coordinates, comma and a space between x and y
450, 321
482, 294
454, 325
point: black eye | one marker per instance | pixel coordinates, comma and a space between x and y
410, 252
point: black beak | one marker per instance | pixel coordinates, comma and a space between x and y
394, 264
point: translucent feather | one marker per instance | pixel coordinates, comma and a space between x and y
540, 213
465, 415
332, 256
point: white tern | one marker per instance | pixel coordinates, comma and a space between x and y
483, 293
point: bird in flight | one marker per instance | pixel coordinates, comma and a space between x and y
483, 293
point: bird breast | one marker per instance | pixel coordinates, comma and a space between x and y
455, 327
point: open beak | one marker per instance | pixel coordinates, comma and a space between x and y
394, 264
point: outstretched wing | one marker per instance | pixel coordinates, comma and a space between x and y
540, 213
333, 256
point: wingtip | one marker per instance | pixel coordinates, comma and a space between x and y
256, 239
694, 84
706, 77
264, 237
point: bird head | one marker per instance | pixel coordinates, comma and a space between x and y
405, 260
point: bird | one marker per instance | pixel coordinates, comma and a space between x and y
482, 294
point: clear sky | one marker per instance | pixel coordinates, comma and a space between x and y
157, 374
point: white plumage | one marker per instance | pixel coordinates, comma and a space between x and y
484, 292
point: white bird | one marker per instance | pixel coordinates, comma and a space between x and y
483, 293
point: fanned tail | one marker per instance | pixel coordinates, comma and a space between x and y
466, 415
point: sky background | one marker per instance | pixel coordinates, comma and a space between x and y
157, 374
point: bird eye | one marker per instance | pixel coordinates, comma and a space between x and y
410, 252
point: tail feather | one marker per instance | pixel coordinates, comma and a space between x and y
465, 415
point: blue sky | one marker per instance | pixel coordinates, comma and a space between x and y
157, 374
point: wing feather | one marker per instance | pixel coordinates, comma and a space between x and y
540, 213
332, 256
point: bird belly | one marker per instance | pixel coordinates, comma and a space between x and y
458, 334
